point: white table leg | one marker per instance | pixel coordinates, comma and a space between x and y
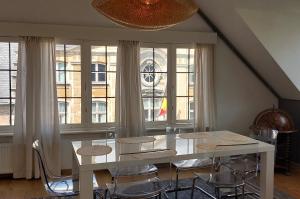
86, 184
75, 173
267, 175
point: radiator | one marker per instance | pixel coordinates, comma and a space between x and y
5, 158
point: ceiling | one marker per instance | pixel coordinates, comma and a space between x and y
240, 28
244, 37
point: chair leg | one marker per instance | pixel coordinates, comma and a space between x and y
217, 192
193, 187
176, 183
243, 192
236, 193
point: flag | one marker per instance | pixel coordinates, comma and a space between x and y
163, 108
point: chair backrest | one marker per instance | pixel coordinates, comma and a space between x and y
267, 135
42, 164
242, 159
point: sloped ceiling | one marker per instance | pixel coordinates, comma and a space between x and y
279, 31
226, 15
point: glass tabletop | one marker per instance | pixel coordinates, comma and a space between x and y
162, 146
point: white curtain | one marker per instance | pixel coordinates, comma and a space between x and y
205, 109
36, 114
129, 105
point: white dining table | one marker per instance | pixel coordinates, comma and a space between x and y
168, 148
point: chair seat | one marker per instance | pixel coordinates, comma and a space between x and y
221, 179
139, 189
134, 170
65, 186
193, 163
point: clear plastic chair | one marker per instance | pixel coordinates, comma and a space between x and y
187, 165
225, 181
59, 186
136, 184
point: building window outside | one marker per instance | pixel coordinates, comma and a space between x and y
98, 111
63, 109
8, 78
68, 78
153, 69
184, 84
103, 83
98, 73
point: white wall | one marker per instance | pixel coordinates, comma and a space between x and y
240, 96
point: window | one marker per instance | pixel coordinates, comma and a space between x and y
103, 71
60, 73
99, 111
63, 108
153, 69
98, 73
68, 78
8, 78
184, 84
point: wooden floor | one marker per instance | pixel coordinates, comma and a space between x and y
27, 189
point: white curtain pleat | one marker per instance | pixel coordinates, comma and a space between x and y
129, 105
205, 108
36, 114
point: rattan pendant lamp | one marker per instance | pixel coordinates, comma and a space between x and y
146, 14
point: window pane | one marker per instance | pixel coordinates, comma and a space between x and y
111, 58
160, 109
4, 55
182, 108
62, 110
4, 85
148, 109
191, 108
4, 112
60, 55
74, 110
73, 84
160, 88
98, 55
161, 59
99, 110
111, 109
14, 49
61, 91
111, 84
192, 55
73, 57
13, 102
182, 62
98, 90
182, 84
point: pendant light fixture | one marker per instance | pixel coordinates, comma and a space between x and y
146, 14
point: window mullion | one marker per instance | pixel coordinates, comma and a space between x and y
171, 86
86, 89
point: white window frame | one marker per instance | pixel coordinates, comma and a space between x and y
181, 122
9, 129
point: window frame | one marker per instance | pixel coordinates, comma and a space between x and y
9, 128
189, 121
86, 88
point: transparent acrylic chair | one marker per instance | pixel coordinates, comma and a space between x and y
136, 185
187, 165
135, 170
225, 181
60, 186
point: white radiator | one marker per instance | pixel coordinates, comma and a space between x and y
5, 158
